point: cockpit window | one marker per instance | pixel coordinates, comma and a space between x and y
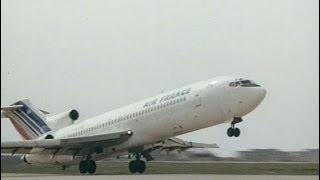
243, 83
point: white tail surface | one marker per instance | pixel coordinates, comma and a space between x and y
28, 120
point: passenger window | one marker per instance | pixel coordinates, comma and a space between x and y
184, 99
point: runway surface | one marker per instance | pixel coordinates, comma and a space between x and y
12, 176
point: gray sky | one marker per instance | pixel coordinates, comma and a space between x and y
96, 56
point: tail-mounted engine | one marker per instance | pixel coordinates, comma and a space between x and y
63, 119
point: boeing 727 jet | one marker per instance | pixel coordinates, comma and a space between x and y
136, 129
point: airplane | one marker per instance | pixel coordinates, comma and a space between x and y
135, 130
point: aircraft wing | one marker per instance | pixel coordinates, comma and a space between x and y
172, 144
179, 143
69, 146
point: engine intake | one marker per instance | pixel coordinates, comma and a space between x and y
74, 115
49, 136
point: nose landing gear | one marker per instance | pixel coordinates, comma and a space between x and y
233, 131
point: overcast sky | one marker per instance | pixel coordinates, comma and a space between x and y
96, 56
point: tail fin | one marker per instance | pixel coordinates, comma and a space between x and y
28, 121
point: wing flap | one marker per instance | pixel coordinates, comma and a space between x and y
12, 150
179, 142
176, 143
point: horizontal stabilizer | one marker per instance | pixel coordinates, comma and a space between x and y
44, 112
10, 108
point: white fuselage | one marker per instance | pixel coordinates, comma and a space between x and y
180, 111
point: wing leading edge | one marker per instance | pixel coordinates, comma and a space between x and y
68, 146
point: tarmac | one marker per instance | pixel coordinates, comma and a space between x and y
12, 176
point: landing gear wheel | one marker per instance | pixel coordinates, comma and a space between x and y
137, 166
233, 131
230, 132
83, 167
236, 132
141, 166
132, 166
91, 167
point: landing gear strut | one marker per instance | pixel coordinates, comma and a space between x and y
233, 131
137, 165
87, 166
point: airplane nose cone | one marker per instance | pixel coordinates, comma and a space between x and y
262, 94
257, 97
250, 99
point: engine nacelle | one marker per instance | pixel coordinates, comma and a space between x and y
63, 119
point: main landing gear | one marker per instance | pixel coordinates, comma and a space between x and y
87, 166
137, 166
233, 131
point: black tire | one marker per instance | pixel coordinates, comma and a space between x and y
236, 132
83, 167
230, 132
91, 167
141, 167
133, 166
